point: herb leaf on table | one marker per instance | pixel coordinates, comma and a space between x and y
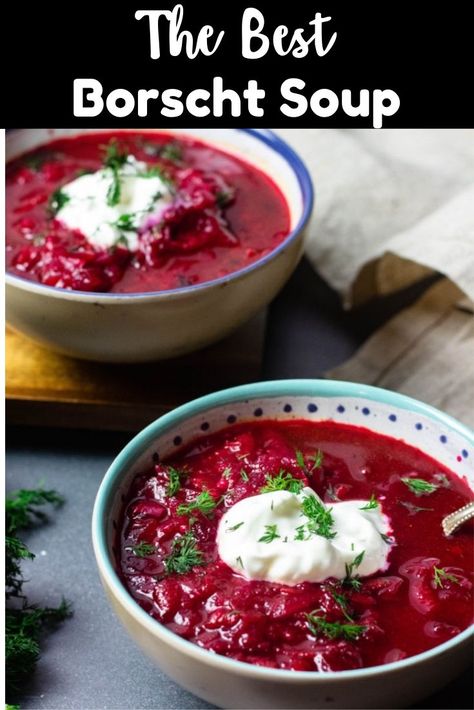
24, 622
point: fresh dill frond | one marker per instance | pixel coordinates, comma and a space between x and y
204, 503
283, 481
184, 555
333, 629
419, 486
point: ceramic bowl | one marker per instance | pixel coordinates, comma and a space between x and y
149, 326
229, 683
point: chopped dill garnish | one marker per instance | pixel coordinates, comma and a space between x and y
440, 576
239, 560
371, 505
172, 151
143, 549
226, 473
387, 539
24, 622
283, 481
175, 479
204, 503
114, 159
57, 201
333, 629
350, 579
343, 603
320, 519
234, 527
270, 534
316, 458
419, 486
244, 475
184, 555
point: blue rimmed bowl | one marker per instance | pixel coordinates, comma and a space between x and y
229, 683
115, 327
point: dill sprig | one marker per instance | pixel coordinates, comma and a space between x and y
419, 486
270, 534
175, 479
316, 460
142, 549
352, 579
57, 201
283, 481
440, 576
114, 159
184, 555
24, 622
320, 519
343, 603
333, 629
204, 503
371, 505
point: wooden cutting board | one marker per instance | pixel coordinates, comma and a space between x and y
44, 388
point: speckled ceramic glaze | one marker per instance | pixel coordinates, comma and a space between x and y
230, 683
115, 327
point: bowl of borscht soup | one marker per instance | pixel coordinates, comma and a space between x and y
279, 545
137, 245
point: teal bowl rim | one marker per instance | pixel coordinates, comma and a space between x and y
257, 390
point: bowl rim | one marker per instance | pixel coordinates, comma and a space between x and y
257, 390
306, 187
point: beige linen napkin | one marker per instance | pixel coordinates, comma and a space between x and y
392, 207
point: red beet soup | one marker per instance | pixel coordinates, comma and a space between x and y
132, 212
168, 557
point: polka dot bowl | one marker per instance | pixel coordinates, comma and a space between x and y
222, 680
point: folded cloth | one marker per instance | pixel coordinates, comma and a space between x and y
426, 351
391, 207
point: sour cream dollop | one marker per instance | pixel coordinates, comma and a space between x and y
86, 208
294, 555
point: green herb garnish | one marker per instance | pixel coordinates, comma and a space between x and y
172, 152
301, 533
239, 560
57, 201
316, 458
282, 482
371, 505
320, 518
350, 579
270, 534
333, 630
440, 576
175, 479
24, 622
114, 159
419, 486
343, 603
204, 503
143, 549
234, 527
184, 555
244, 475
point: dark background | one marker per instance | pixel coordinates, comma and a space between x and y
421, 52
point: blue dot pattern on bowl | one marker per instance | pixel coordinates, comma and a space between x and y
299, 409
